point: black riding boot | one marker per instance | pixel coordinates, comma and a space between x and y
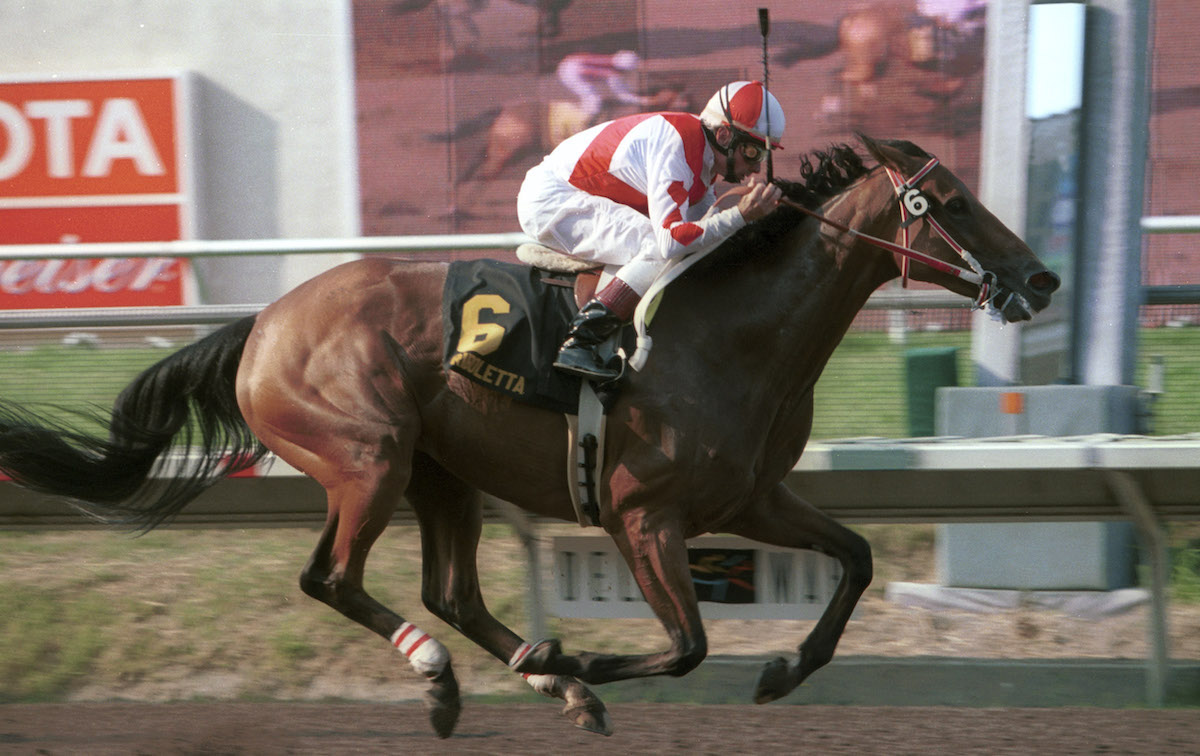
590, 328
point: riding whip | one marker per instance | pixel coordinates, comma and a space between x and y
764, 27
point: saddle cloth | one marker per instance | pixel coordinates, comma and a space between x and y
503, 325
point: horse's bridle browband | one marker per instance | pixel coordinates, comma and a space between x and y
914, 205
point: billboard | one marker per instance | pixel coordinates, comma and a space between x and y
456, 101
93, 160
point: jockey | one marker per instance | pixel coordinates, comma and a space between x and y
587, 74
635, 192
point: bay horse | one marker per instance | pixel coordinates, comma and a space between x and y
343, 379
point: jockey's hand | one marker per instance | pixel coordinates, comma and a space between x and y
760, 200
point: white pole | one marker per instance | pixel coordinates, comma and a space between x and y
1115, 143
1003, 167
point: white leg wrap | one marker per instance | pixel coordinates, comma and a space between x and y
543, 684
518, 655
425, 654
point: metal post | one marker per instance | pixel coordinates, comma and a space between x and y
1154, 546
1004, 160
522, 525
1115, 143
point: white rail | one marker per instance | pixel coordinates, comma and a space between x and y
1171, 224
105, 317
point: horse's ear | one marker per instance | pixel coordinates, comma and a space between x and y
873, 147
867, 141
884, 152
894, 154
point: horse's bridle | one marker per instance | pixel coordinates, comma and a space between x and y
914, 205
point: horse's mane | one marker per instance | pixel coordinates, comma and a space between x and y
823, 174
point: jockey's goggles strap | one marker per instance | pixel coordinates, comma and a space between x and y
724, 95
747, 143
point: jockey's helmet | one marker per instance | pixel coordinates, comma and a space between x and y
740, 106
625, 60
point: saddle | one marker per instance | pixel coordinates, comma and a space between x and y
587, 274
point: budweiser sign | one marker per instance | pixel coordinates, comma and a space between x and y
89, 283
93, 160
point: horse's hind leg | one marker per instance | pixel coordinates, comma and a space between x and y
359, 509
451, 519
784, 519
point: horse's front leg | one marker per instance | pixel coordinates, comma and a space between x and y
656, 553
784, 519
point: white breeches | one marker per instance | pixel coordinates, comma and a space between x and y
588, 227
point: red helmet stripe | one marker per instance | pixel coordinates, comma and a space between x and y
746, 106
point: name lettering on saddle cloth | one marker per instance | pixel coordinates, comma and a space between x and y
480, 338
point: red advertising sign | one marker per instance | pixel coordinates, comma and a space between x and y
93, 160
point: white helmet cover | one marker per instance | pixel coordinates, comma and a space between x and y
740, 106
626, 60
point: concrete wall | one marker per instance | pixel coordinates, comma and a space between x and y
273, 112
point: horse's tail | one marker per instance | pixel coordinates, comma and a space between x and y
129, 479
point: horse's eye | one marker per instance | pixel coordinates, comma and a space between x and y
957, 206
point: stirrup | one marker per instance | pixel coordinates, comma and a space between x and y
601, 374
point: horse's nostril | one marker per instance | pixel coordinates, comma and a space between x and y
1044, 282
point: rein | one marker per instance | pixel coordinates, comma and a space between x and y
914, 205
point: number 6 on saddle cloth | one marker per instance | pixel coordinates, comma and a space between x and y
503, 325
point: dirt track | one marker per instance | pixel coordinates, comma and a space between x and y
248, 728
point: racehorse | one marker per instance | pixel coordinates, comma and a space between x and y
343, 379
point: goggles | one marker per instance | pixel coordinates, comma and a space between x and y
752, 151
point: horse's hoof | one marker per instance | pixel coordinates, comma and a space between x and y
442, 702
774, 681
586, 711
590, 718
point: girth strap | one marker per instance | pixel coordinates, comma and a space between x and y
585, 456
